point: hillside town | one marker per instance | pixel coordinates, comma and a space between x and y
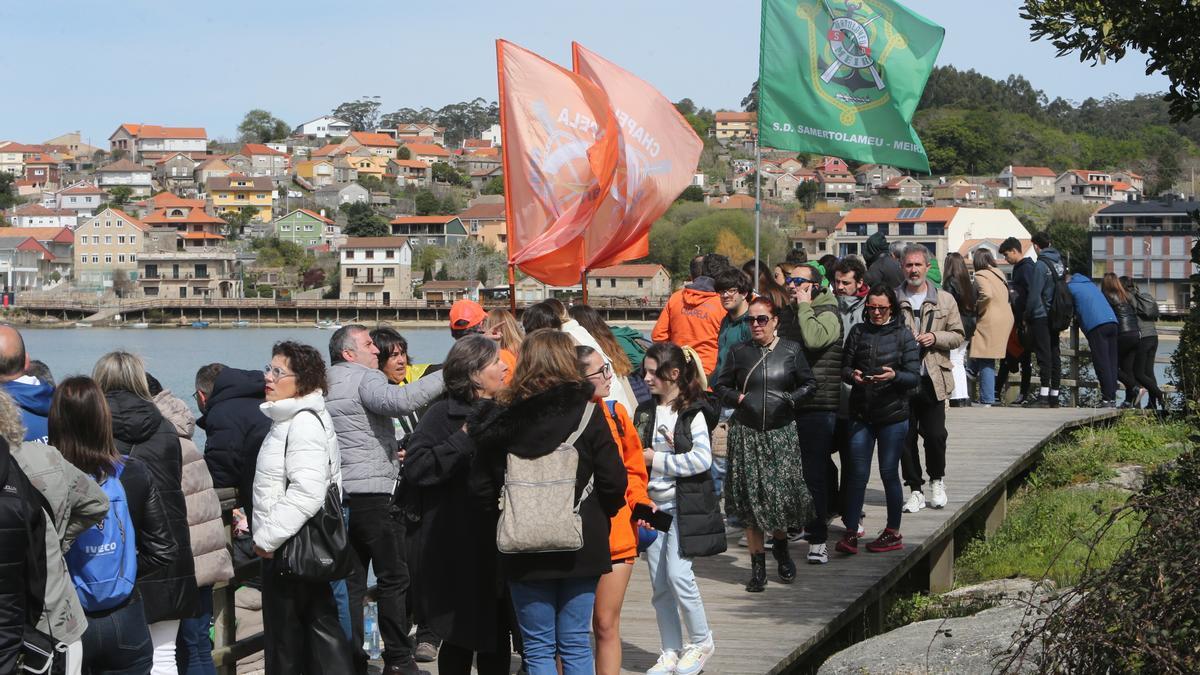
397, 214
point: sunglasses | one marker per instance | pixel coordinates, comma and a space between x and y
879, 309
761, 319
797, 281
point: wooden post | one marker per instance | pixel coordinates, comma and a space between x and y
995, 512
583, 285
941, 566
1074, 367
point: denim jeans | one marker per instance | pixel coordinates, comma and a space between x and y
193, 647
118, 643
985, 370
555, 616
675, 590
718, 474
863, 437
816, 441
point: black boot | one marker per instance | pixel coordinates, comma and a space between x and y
758, 573
787, 568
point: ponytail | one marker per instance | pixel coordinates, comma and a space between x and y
691, 379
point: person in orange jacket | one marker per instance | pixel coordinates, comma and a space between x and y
623, 537
693, 314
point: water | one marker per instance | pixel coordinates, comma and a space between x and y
174, 355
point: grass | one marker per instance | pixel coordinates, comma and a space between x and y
1090, 454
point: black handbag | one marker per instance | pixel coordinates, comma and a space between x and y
320, 551
41, 654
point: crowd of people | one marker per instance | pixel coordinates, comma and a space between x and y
502, 497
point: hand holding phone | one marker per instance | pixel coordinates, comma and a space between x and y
659, 520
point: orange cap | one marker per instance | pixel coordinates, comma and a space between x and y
466, 313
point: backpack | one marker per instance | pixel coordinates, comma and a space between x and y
103, 560
538, 510
1062, 308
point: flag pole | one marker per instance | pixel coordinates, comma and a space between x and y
583, 283
757, 209
512, 289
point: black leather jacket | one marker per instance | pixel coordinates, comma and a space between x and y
1127, 319
773, 380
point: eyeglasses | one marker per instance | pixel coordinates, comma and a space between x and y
605, 372
761, 319
730, 292
879, 309
276, 372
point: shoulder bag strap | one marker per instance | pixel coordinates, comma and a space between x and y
289, 435
583, 422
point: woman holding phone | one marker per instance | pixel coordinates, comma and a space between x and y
762, 381
882, 363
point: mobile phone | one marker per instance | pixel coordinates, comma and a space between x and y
666, 434
659, 520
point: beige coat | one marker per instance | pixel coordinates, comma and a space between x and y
995, 315
207, 530
939, 315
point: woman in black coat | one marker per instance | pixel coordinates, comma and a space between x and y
882, 362
140, 431
553, 593
457, 587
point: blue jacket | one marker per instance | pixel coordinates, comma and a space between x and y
1091, 307
1041, 283
34, 402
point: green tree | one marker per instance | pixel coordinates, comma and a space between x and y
236, 222
698, 124
363, 221
1185, 362
449, 205
494, 186
404, 152
362, 114
8, 195
444, 173
807, 193
372, 183
427, 275
686, 107
691, 193
482, 274
442, 275
120, 195
427, 203
750, 101
260, 126
1164, 30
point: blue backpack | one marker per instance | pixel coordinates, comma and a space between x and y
103, 560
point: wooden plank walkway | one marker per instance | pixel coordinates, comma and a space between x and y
768, 632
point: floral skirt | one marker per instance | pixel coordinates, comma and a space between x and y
764, 480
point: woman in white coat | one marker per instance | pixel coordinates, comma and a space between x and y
298, 461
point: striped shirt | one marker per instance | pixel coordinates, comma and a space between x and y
667, 465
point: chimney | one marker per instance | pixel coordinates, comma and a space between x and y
322, 213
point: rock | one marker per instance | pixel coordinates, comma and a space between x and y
1129, 477
1000, 591
972, 644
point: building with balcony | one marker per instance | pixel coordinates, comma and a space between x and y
168, 270
1029, 181
1149, 241
303, 227
376, 269
430, 230
1077, 185
59, 241
942, 230
239, 192
735, 125
148, 143
633, 282
486, 221
124, 173
24, 263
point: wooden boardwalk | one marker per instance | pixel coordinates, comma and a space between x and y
771, 632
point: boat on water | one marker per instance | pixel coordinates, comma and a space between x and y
199, 324
83, 324
328, 325
241, 323
140, 324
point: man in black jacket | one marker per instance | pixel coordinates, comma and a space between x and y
1022, 358
22, 563
228, 399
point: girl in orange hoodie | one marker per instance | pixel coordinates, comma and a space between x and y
622, 538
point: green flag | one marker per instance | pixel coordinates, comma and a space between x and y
843, 78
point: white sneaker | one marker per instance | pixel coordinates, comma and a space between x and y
694, 657
666, 663
938, 500
817, 555
916, 502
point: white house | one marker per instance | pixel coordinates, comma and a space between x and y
36, 215
325, 126
83, 198
492, 134
376, 269
126, 173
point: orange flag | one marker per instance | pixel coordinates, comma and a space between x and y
658, 157
560, 147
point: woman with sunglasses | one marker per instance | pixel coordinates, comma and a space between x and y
764, 486
298, 461
882, 362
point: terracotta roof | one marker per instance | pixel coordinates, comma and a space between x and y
427, 149
834, 177
1083, 174
480, 173
411, 163
260, 149
1130, 174
84, 189
1031, 171
192, 215
61, 235
155, 131
123, 165
329, 150
163, 200
211, 162
23, 242
417, 126
417, 220
20, 147
484, 211
173, 155
733, 202
374, 140
317, 216
39, 210
477, 143
894, 184
1121, 186
227, 183
935, 215
41, 159
374, 242
634, 271
483, 152
736, 117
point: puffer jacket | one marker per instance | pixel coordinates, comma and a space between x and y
298, 459
362, 403
774, 379
205, 527
821, 336
76, 503
1147, 312
141, 432
234, 429
869, 347
1127, 320
692, 318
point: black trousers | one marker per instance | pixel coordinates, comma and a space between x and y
302, 634
1048, 348
816, 431
378, 541
1127, 347
927, 418
1102, 341
1143, 368
456, 660
835, 501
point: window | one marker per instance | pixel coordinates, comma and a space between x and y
431, 240
108, 238
95, 259
132, 239
1139, 268
108, 223
612, 283
121, 258
308, 228
371, 296
354, 297
120, 223
83, 259
108, 259
641, 283
390, 254
598, 282
351, 272
370, 255
121, 239
285, 228
132, 257
389, 273
1119, 245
